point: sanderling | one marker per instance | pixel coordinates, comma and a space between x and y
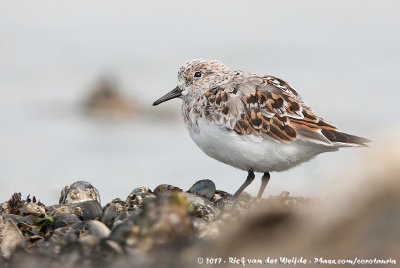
254, 123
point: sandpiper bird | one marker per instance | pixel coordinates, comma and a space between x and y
255, 123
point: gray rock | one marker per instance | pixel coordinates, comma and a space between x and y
204, 188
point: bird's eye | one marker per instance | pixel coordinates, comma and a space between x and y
197, 74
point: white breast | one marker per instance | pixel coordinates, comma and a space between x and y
262, 154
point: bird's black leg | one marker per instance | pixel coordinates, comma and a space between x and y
264, 182
250, 178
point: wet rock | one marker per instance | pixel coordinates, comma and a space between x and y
12, 237
112, 211
78, 192
97, 229
202, 207
63, 220
204, 188
163, 188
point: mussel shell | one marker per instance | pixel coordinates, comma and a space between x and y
17, 218
204, 188
79, 191
96, 228
63, 220
121, 232
88, 210
111, 212
203, 208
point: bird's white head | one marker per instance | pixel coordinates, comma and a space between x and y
194, 78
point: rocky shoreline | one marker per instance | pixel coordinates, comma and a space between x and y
79, 232
355, 221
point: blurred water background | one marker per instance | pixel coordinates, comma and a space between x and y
342, 56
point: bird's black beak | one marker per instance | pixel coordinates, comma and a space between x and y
175, 93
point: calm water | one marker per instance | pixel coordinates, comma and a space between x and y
341, 56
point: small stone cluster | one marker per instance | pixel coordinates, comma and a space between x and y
80, 232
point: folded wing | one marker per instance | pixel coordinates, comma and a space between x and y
270, 107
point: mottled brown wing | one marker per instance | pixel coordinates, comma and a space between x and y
266, 106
